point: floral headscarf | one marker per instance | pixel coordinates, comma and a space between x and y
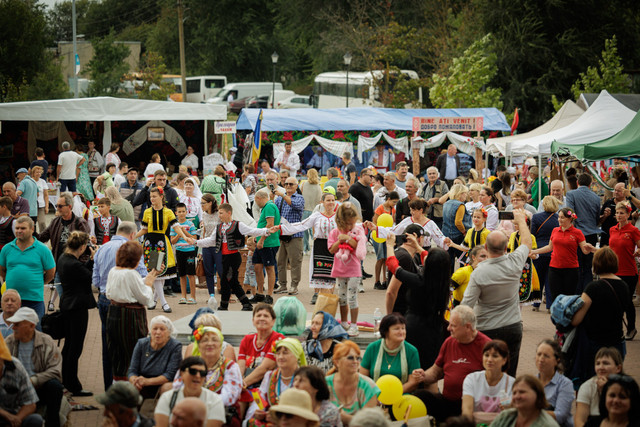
200, 332
330, 329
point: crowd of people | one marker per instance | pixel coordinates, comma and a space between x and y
457, 257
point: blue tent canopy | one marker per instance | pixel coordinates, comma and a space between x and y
359, 119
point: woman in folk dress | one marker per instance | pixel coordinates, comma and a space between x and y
320, 261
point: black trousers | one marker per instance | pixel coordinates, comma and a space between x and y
50, 395
585, 261
630, 309
229, 280
512, 335
563, 281
75, 323
438, 406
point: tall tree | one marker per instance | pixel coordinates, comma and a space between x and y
24, 39
466, 83
107, 67
148, 81
608, 75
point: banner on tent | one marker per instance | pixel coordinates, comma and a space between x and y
225, 127
447, 124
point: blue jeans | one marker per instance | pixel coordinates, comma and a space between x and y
212, 260
103, 308
67, 184
307, 234
38, 306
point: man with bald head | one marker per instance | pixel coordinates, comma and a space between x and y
11, 302
556, 189
494, 285
20, 205
189, 412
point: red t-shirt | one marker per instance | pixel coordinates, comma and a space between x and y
623, 243
565, 247
458, 360
252, 355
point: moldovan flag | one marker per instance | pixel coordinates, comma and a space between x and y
257, 140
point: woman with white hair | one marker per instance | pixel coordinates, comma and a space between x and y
156, 358
120, 207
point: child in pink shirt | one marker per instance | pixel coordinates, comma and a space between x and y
348, 244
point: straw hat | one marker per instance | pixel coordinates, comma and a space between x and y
295, 402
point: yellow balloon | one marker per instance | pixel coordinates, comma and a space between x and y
4, 288
374, 236
418, 409
390, 389
385, 220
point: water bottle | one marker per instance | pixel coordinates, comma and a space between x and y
212, 303
377, 317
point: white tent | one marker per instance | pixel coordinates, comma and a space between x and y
603, 119
564, 117
107, 109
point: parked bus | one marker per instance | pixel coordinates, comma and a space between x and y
330, 89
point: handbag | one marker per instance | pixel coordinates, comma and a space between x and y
328, 303
200, 268
53, 324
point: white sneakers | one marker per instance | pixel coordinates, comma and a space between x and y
353, 330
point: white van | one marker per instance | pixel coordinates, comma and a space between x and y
201, 88
242, 90
279, 95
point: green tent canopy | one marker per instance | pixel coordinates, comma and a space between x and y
625, 143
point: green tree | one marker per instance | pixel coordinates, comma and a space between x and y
466, 83
24, 40
107, 67
59, 19
148, 81
609, 74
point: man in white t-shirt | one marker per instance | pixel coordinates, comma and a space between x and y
288, 160
69, 163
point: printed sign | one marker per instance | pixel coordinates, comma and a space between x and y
225, 127
443, 124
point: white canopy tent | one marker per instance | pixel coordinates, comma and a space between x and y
566, 115
605, 118
107, 109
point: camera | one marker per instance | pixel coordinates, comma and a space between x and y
403, 238
505, 215
272, 187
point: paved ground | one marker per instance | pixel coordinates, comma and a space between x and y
537, 327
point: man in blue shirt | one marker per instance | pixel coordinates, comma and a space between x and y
586, 205
291, 205
103, 261
28, 190
26, 265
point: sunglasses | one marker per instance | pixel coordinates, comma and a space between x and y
282, 415
353, 358
194, 372
60, 206
289, 184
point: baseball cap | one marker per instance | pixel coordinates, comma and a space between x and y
121, 393
25, 313
21, 170
415, 229
329, 189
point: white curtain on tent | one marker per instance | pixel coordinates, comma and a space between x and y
367, 143
140, 137
337, 148
463, 143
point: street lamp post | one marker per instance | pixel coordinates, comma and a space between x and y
274, 60
347, 61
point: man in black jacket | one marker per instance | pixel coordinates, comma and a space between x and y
159, 180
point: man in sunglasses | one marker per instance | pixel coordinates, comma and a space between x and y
291, 205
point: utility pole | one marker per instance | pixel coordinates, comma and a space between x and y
75, 50
183, 66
